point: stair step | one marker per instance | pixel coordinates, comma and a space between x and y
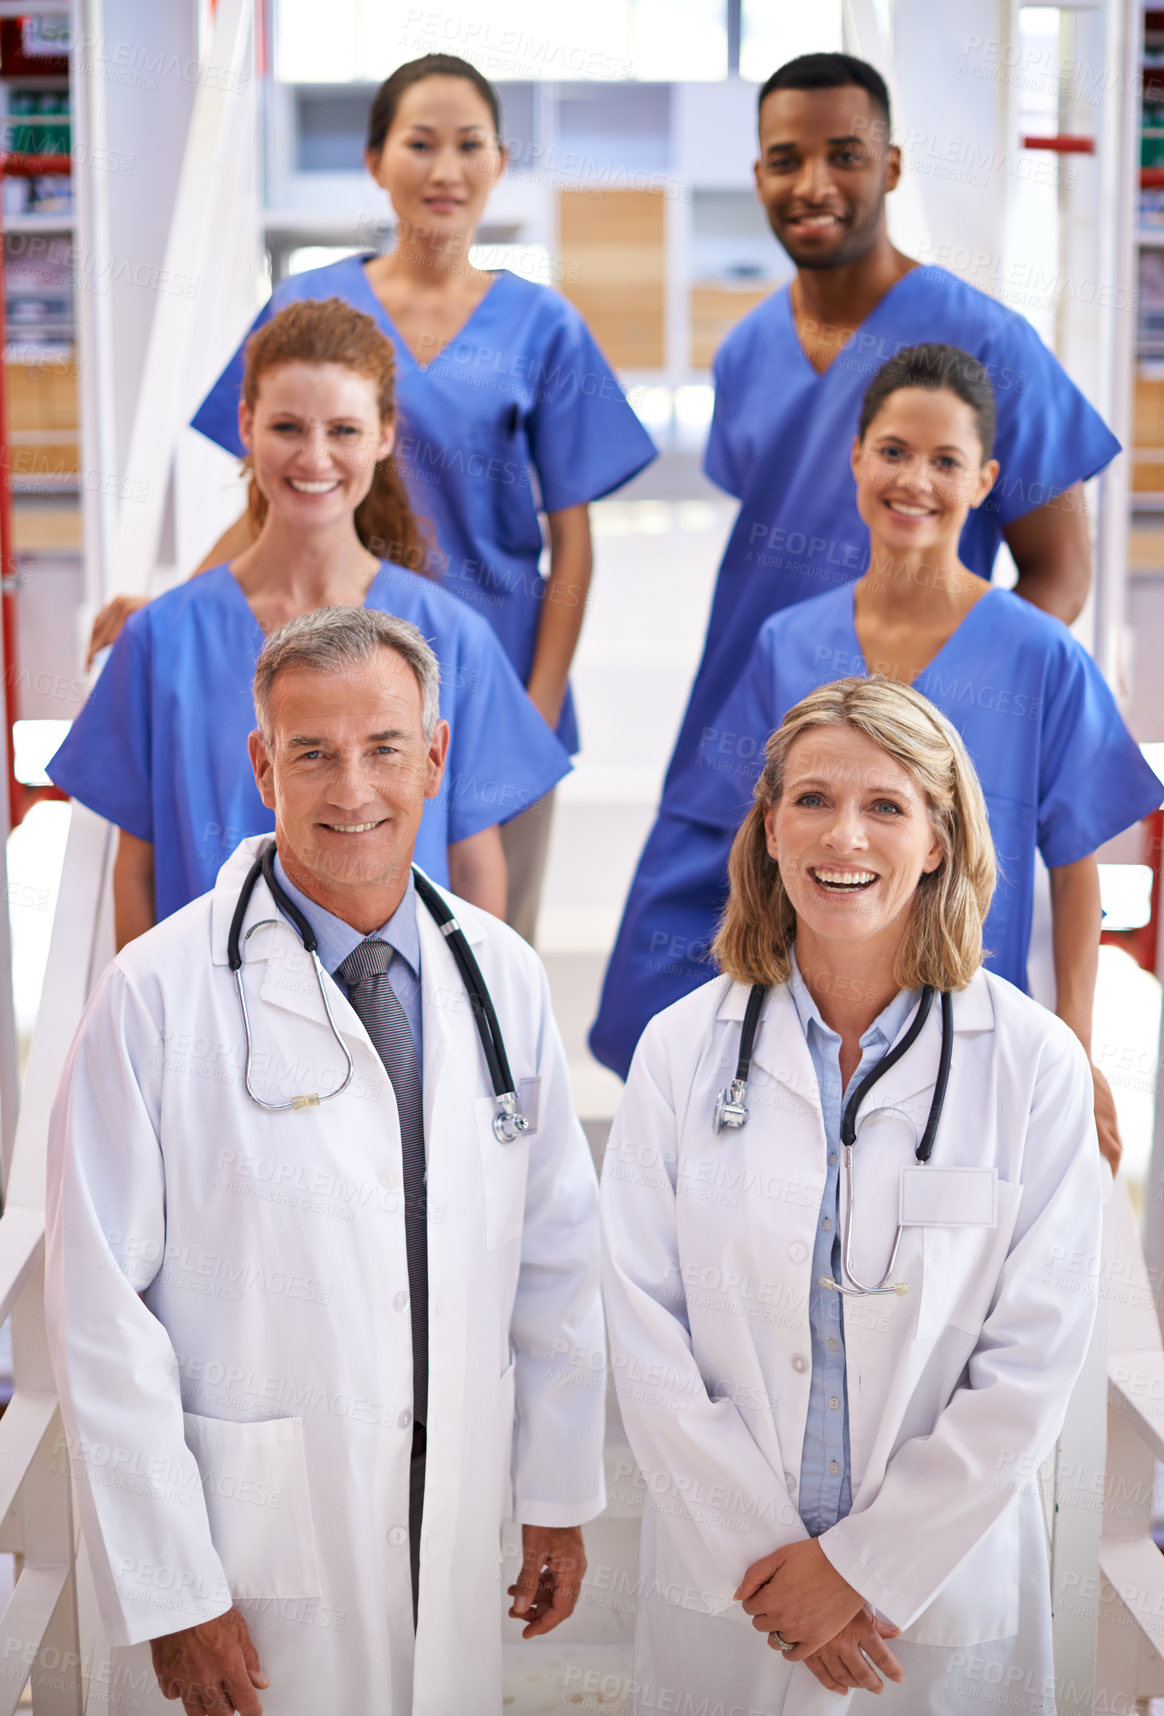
597, 1132
595, 1090
594, 847
575, 984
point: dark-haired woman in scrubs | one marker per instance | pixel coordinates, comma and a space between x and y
508, 409
1060, 770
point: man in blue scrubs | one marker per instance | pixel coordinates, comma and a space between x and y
790, 376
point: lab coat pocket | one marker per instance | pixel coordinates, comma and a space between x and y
254, 1478
505, 1167
962, 1259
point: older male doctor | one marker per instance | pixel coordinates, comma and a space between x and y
309, 1338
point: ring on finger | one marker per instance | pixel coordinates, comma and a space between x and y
781, 1644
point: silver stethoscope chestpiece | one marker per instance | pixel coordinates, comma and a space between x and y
730, 1108
508, 1123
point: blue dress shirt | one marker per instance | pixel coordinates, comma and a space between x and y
337, 939
825, 1489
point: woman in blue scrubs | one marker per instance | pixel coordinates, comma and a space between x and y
160, 748
1059, 770
508, 409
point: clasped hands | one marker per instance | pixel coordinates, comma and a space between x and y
797, 1592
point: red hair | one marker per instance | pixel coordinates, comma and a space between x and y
328, 330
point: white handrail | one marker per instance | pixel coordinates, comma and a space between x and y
39, 1633
39, 1637
93, 311
1119, 162
1130, 1656
162, 405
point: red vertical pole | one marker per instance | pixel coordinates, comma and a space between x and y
1142, 943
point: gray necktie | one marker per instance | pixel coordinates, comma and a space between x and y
365, 971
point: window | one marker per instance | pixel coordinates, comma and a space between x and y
774, 31
518, 40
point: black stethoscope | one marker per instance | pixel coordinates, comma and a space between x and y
731, 1111
508, 1122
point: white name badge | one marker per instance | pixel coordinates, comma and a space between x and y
949, 1197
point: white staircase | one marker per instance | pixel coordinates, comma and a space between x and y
655, 564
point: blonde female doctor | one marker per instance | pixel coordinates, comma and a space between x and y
843, 1316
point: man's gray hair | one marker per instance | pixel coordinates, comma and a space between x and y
335, 640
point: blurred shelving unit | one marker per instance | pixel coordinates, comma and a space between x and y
38, 259
45, 583
626, 197
1148, 429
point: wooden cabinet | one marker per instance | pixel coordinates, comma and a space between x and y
715, 310
43, 428
1148, 431
612, 257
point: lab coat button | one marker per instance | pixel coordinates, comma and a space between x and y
405, 1419
789, 1480
401, 1300
397, 1536
798, 1252
799, 1362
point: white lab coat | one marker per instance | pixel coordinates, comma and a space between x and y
956, 1390
228, 1308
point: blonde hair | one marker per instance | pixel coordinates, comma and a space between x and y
943, 944
328, 330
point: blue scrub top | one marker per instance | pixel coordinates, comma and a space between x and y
160, 747
780, 441
519, 412
1058, 768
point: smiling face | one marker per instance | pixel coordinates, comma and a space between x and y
852, 835
825, 166
314, 437
919, 471
347, 769
440, 159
